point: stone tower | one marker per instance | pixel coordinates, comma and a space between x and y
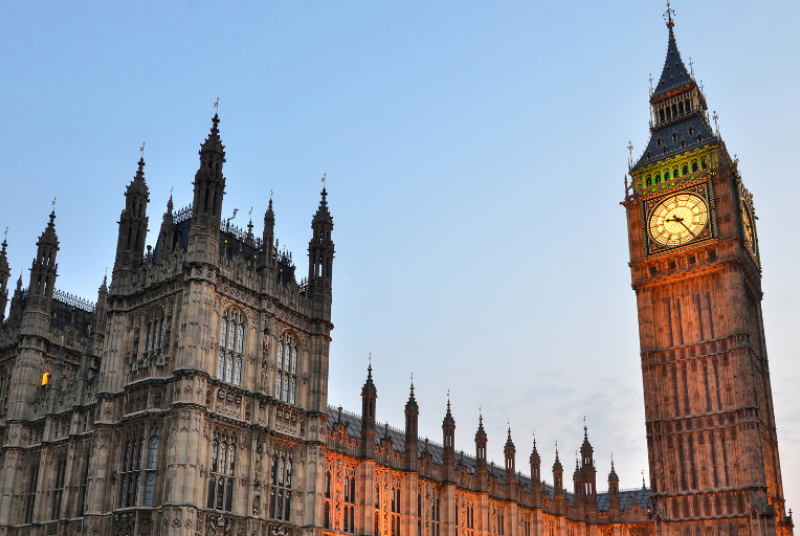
695, 268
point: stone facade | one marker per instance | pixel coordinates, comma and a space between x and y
191, 398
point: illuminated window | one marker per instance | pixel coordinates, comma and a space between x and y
648, 181
286, 376
45, 378
657, 178
231, 348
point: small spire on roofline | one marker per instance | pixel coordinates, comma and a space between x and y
668, 14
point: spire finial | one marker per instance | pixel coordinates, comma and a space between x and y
141, 151
216, 106
5, 236
668, 14
270, 195
691, 66
170, 191
643, 484
534, 439
585, 429
54, 205
612, 461
651, 83
715, 117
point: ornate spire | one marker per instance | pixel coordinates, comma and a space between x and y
323, 214
448, 417
557, 465
138, 184
535, 453
369, 386
509, 443
412, 402
613, 474
481, 433
213, 141
675, 74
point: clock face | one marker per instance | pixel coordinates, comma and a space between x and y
678, 220
749, 231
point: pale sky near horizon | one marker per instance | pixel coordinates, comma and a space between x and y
475, 154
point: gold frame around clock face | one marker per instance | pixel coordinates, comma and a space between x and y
678, 220
749, 231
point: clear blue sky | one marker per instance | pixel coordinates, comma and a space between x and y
475, 153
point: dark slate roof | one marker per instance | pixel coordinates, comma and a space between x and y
673, 147
674, 75
627, 499
352, 423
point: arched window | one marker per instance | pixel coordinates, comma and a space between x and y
704, 163
281, 489
154, 333
666, 176
694, 166
676, 173
222, 468
685, 170
231, 347
657, 178
648, 181
286, 376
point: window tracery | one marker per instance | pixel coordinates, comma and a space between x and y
280, 497
220, 479
286, 376
231, 347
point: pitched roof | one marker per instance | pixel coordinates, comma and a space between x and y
674, 75
701, 136
352, 426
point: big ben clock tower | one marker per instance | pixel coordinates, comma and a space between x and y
696, 271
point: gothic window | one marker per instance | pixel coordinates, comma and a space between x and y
659, 142
154, 333
150, 475
675, 173
396, 511
58, 487
666, 176
327, 520
84, 483
220, 479
694, 166
30, 499
657, 178
703, 162
685, 168
419, 514
691, 131
286, 376
130, 476
649, 181
349, 513
231, 347
280, 494
435, 515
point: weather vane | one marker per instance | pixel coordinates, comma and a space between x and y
141, 150
5, 235
216, 105
54, 204
323, 177
251, 212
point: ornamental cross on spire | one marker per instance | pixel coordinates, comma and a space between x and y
668, 14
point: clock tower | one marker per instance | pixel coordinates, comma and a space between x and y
696, 270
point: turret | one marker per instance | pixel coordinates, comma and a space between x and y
15, 311
268, 238
613, 492
133, 222
166, 235
480, 455
536, 463
577, 481
44, 269
209, 182
558, 481
510, 454
588, 472
320, 260
448, 442
5, 273
29, 366
412, 431
369, 396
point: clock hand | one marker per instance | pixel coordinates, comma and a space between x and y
690, 231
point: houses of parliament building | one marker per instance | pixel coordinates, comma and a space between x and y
191, 398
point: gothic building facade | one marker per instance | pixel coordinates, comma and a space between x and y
191, 398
